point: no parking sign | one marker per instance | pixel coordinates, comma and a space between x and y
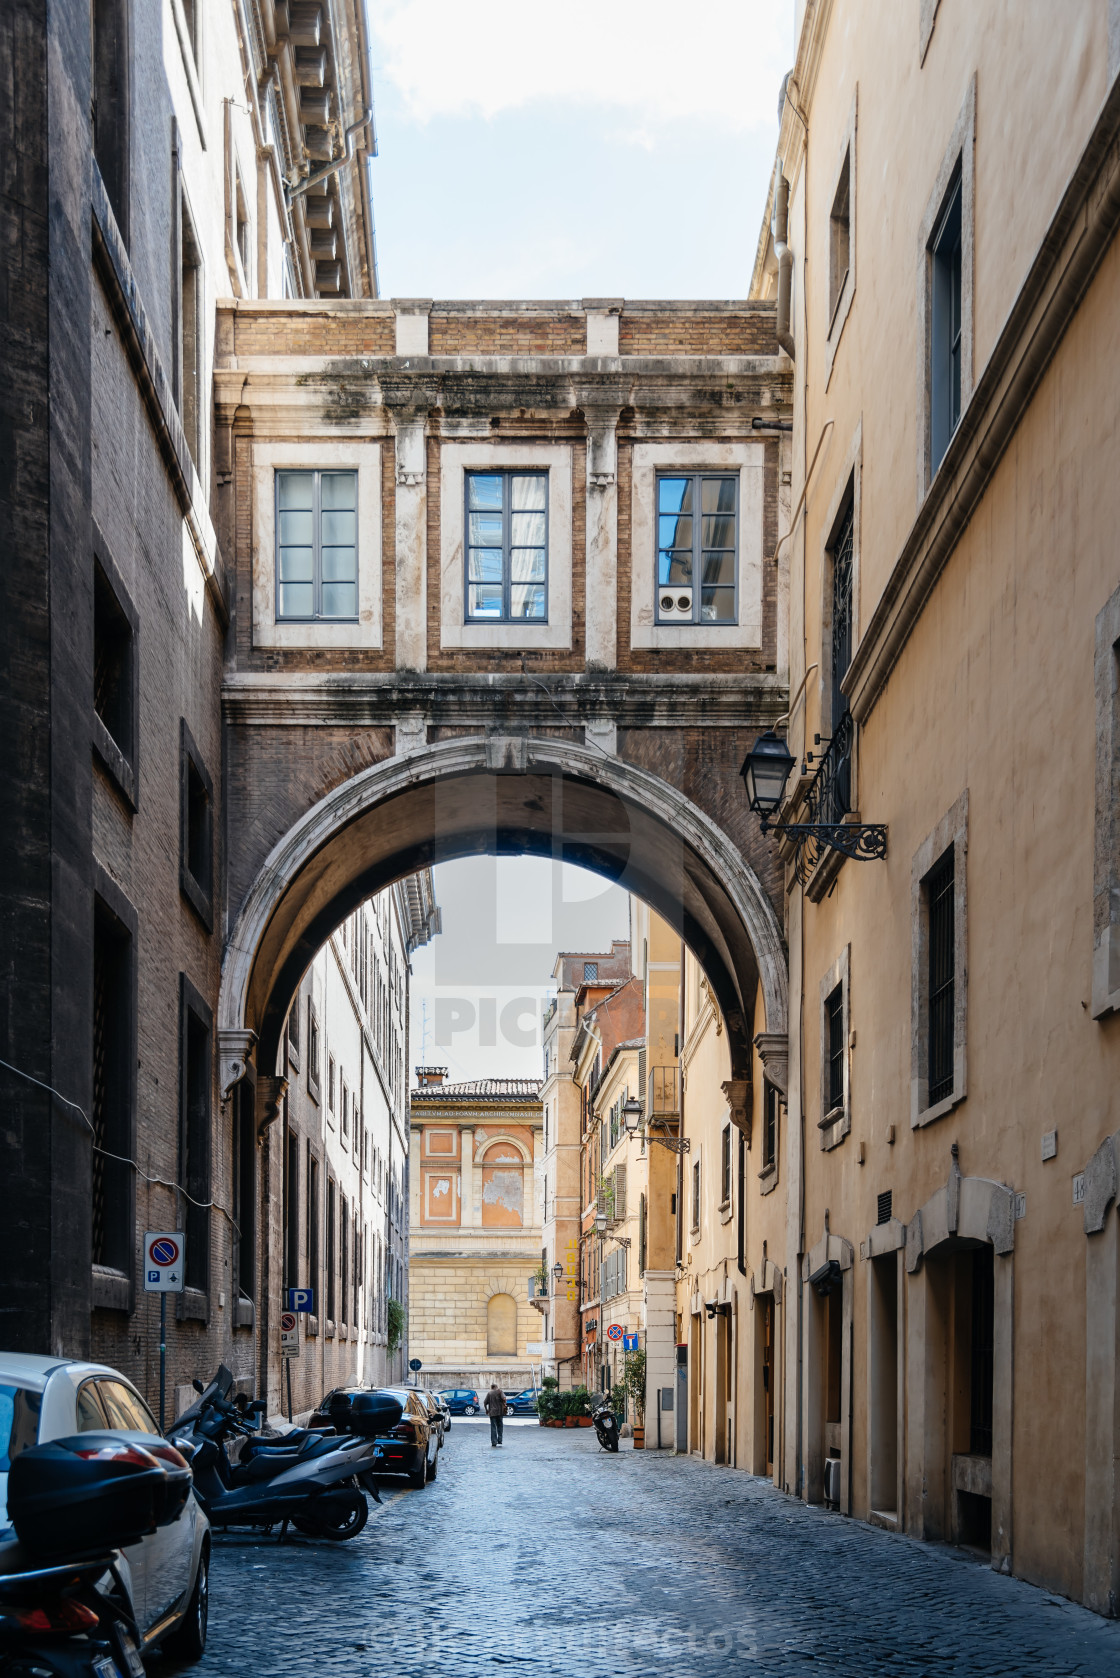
163, 1261
615, 1332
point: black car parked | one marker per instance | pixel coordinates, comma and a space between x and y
411, 1447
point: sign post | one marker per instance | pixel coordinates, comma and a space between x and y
164, 1252
289, 1347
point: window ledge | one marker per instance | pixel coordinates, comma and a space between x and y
834, 1129
930, 1115
194, 1306
199, 899
725, 1212
111, 1290
119, 769
768, 1180
330, 1329
312, 1327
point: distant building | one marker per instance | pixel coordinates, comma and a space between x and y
341, 1225
476, 1192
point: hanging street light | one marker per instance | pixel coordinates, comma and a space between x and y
766, 770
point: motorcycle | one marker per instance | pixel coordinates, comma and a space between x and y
314, 1481
605, 1422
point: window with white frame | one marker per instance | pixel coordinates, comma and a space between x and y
507, 547
697, 547
316, 546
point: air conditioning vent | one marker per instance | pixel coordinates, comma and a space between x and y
832, 1469
674, 605
885, 1207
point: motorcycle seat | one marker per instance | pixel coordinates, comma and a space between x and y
264, 1467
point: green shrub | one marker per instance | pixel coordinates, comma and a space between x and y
398, 1317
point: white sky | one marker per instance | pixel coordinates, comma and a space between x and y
595, 148
481, 985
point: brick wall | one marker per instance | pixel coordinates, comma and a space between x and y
748, 333
513, 334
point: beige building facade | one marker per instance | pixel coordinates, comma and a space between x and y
476, 1187
945, 205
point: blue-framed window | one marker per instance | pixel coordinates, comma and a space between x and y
507, 547
697, 547
316, 547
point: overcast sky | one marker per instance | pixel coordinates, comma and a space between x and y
479, 988
591, 149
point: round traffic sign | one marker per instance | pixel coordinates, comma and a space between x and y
414, 1363
615, 1332
287, 1322
164, 1251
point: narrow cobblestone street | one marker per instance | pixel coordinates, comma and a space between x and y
555, 1559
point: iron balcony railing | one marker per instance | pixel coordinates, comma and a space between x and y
664, 1095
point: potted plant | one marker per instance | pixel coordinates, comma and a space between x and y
548, 1401
633, 1383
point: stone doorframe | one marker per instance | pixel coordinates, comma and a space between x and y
301, 883
967, 1210
830, 1249
885, 1240
1101, 1576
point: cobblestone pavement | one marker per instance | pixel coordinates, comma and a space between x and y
554, 1559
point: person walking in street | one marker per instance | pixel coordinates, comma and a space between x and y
495, 1406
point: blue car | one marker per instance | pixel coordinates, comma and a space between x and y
522, 1404
461, 1401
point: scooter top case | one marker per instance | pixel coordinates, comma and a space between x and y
94, 1491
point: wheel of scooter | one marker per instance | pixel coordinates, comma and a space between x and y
343, 1520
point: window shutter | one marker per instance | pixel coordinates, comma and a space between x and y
620, 1191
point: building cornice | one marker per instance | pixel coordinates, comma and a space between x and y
1071, 251
367, 699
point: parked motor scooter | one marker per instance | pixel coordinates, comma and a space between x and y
605, 1422
65, 1604
316, 1483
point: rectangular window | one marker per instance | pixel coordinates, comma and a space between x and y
343, 1252
835, 1011
112, 664
725, 1166
345, 1111
109, 101
196, 829
312, 1050
112, 1090
945, 341
697, 548
507, 547
293, 1033
313, 1224
192, 406
770, 1099
840, 235
330, 1083
591, 972
194, 1133
291, 1276
244, 1189
696, 1194
332, 1224
942, 973
316, 547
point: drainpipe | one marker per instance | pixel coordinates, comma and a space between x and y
328, 169
779, 229
741, 1208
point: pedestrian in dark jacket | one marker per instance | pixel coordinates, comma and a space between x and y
495, 1406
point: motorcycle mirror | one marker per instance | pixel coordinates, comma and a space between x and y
197, 1385
258, 1406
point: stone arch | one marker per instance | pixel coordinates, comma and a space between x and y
484, 795
513, 1142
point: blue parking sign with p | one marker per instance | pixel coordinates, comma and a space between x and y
302, 1299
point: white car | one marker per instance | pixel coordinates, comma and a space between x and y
167, 1573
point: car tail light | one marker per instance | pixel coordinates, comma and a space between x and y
138, 1457
62, 1616
405, 1430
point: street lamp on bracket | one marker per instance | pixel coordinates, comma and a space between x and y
766, 770
632, 1118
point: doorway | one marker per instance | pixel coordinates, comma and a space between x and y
883, 1457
